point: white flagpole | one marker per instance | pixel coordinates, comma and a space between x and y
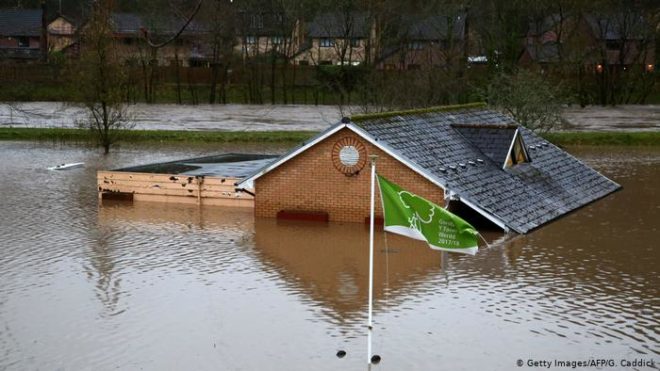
371, 255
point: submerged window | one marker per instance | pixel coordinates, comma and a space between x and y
517, 153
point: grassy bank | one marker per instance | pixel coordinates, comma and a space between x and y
651, 138
174, 136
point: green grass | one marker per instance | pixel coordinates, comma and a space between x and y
650, 138
455, 107
173, 136
142, 136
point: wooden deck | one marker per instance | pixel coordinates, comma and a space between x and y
200, 190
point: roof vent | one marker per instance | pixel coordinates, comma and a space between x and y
461, 164
471, 163
452, 167
480, 161
442, 169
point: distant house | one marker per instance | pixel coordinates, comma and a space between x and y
423, 42
480, 163
623, 40
21, 35
63, 35
264, 32
129, 31
614, 41
338, 39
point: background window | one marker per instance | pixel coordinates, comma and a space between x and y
327, 42
416, 45
23, 42
276, 40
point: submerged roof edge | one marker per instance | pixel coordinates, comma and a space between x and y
380, 115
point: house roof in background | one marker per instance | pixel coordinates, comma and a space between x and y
435, 27
337, 24
20, 22
126, 23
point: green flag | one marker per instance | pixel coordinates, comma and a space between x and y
412, 216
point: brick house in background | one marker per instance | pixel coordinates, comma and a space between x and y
338, 38
129, 29
265, 33
424, 42
21, 35
614, 41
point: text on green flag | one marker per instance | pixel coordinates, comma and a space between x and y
410, 215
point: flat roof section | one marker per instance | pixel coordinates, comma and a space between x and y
233, 165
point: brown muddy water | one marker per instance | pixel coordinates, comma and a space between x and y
165, 287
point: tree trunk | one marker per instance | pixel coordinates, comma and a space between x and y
214, 82
178, 76
272, 78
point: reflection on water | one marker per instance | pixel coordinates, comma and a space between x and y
157, 286
330, 264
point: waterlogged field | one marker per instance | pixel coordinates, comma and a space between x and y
170, 287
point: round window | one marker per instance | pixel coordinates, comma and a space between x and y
349, 156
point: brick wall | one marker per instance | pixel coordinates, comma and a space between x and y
310, 182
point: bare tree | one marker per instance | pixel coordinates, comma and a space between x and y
527, 97
99, 78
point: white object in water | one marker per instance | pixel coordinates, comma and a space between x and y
67, 166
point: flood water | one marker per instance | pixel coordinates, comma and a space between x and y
153, 286
242, 117
246, 117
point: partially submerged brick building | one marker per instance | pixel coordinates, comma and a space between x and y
467, 157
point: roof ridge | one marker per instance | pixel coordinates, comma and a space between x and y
449, 108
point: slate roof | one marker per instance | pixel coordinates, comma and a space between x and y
493, 141
435, 27
126, 23
354, 25
523, 197
20, 22
436, 145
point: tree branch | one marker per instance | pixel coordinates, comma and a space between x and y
176, 35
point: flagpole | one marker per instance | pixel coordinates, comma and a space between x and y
373, 159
